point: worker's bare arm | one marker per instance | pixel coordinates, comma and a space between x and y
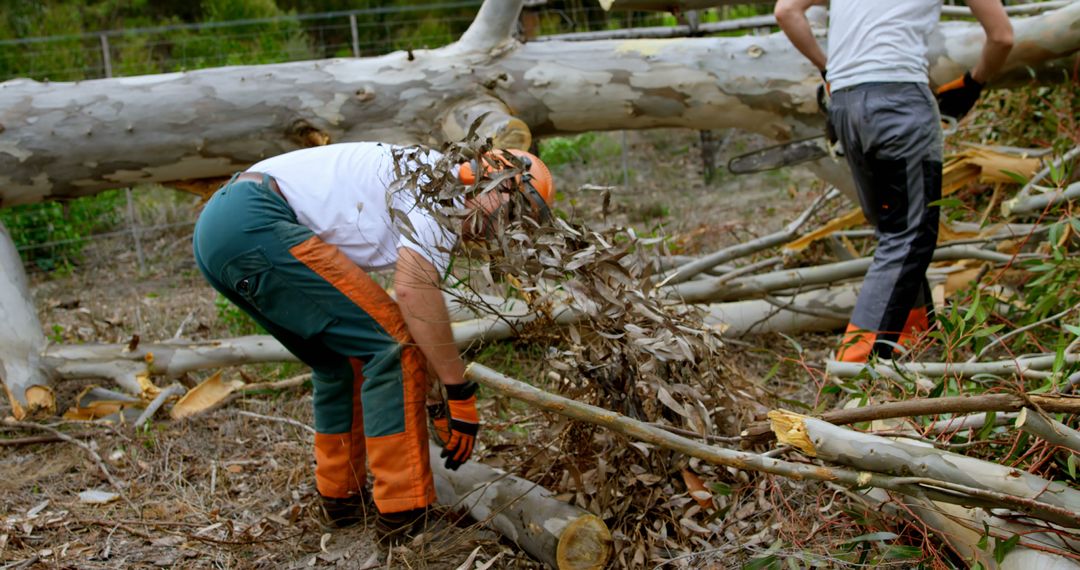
999, 38
416, 286
791, 16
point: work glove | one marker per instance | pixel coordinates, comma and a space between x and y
464, 424
958, 96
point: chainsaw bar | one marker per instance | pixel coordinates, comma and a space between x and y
778, 156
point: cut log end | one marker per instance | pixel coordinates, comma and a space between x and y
790, 429
40, 402
585, 544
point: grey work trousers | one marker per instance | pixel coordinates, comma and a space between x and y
891, 134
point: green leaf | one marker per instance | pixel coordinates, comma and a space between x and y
719, 488
1071, 464
1073, 329
902, 552
872, 537
947, 202
770, 562
983, 540
1003, 547
1018, 178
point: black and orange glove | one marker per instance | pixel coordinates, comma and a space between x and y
958, 96
464, 424
439, 416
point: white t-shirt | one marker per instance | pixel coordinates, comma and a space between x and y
880, 41
344, 193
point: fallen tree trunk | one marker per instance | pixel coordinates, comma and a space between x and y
21, 339
819, 310
556, 533
1041, 498
762, 431
63, 140
718, 289
916, 486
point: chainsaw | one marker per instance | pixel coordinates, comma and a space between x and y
803, 150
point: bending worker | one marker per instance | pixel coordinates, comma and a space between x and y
886, 119
291, 242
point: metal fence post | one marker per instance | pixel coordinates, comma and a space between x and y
355, 36
106, 59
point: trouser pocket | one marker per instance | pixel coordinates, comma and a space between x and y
252, 276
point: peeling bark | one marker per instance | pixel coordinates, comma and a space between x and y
561, 535
21, 339
70, 139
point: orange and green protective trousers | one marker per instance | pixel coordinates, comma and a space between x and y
369, 378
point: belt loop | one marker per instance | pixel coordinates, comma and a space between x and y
266, 182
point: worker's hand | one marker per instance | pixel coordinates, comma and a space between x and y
823, 100
958, 96
464, 424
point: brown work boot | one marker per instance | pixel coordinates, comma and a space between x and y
345, 511
393, 529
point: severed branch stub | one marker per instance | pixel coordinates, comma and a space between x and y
1052, 431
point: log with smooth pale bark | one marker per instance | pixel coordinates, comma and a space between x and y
21, 339
718, 289
559, 534
68, 139
1051, 500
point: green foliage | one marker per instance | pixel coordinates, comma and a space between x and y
578, 149
235, 319
52, 235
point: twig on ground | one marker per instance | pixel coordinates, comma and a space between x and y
14, 442
158, 401
289, 421
89, 450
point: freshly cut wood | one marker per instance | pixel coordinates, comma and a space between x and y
170, 392
1049, 429
717, 289
21, 339
556, 533
915, 486
980, 164
208, 394
762, 431
1048, 500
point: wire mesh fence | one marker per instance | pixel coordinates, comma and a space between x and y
138, 226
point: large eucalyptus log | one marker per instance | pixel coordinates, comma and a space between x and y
21, 338
561, 535
685, 5
718, 289
69, 139
818, 310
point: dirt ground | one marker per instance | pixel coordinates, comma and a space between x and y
227, 490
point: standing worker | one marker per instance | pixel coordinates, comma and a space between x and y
885, 117
291, 242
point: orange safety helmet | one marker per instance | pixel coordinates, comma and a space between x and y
535, 183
